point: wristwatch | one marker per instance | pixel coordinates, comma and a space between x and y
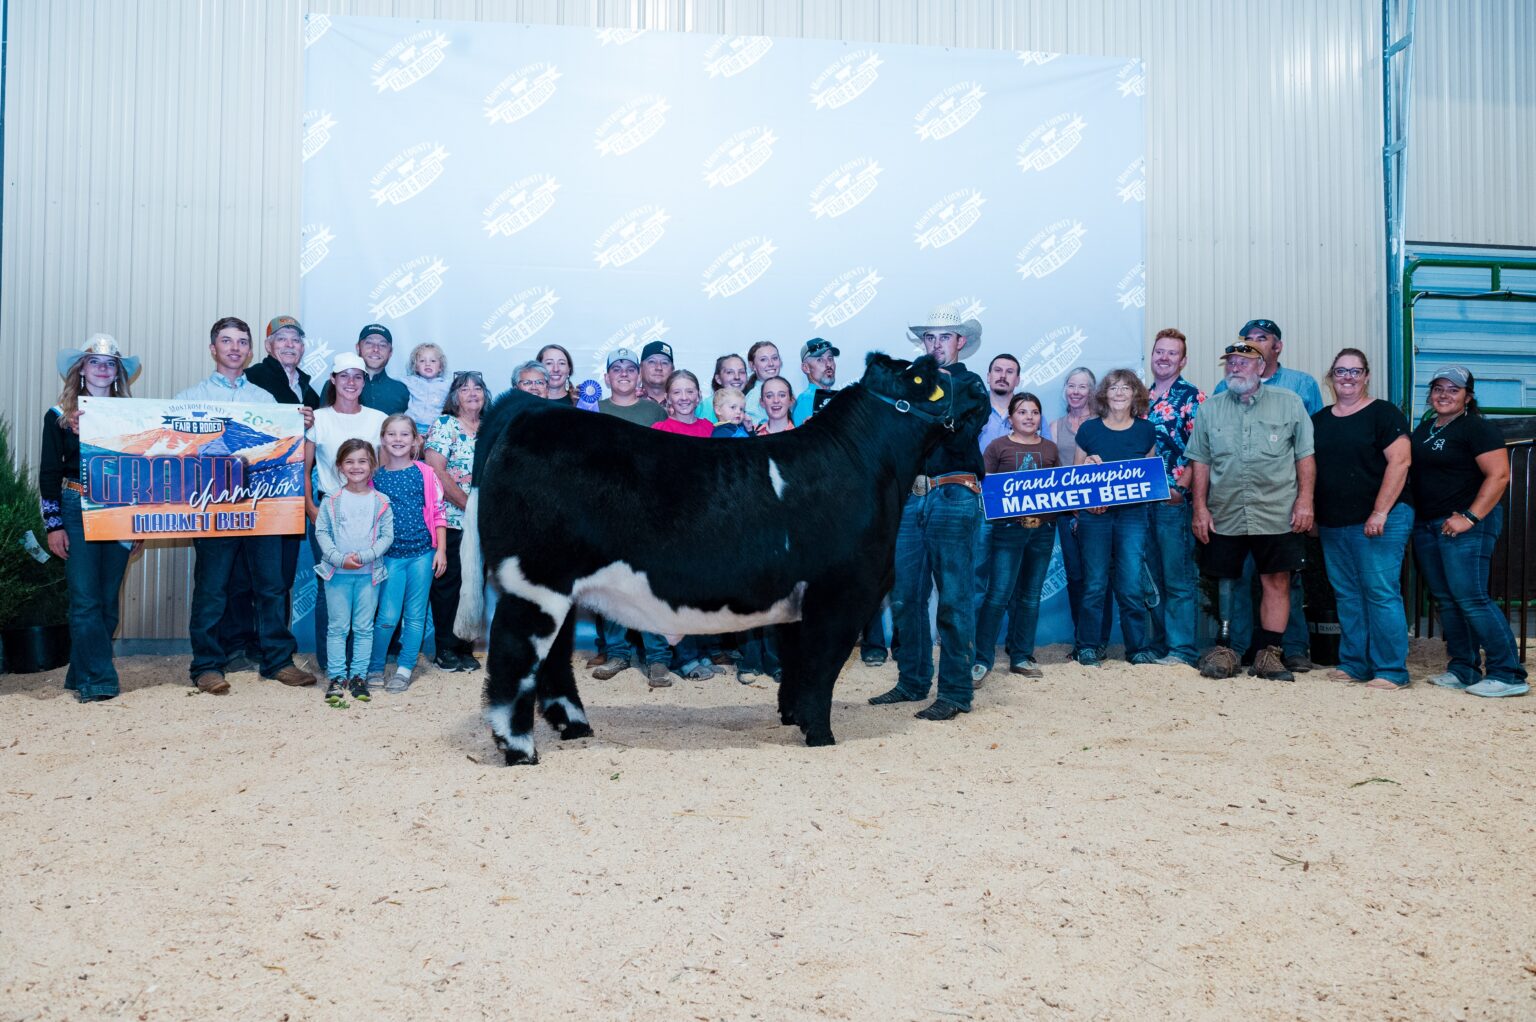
1469, 516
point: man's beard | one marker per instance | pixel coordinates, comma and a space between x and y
1242, 386
828, 378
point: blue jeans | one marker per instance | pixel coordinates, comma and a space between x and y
1365, 572
1115, 541
94, 574
350, 600
1019, 559
1456, 570
216, 557
1171, 555
760, 651
403, 592
1072, 564
616, 636
935, 546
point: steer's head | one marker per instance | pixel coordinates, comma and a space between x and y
924, 389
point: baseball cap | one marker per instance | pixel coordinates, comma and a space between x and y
1458, 375
376, 328
656, 348
816, 347
1267, 325
1242, 350
283, 322
622, 355
346, 360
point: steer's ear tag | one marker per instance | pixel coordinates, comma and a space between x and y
917, 379
938, 392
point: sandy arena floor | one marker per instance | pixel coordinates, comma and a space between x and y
1112, 844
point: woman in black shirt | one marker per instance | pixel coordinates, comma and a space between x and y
93, 569
1364, 521
1458, 476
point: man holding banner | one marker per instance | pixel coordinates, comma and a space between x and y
1250, 455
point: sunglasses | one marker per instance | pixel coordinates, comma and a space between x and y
468, 374
818, 349
1242, 349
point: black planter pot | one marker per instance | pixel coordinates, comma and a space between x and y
39, 648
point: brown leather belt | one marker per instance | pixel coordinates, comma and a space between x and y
923, 485
70, 484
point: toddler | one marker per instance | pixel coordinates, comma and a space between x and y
428, 383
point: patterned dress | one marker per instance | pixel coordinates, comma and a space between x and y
457, 447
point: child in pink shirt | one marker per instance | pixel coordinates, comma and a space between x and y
682, 403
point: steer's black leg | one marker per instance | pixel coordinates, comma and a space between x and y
792, 669
521, 635
828, 630
558, 701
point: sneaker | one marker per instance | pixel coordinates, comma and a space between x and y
375, 681
447, 661
611, 666
1144, 659
1269, 664
1027, 668
399, 683
1298, 663
467, 662
1218, 662
978, 671
942, 709
1492, 689
873, 657
747, 676
357, 688
336, 692
1448, 679
699, 670
1088, 657
657, 675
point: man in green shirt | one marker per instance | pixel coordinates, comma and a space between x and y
1252, 475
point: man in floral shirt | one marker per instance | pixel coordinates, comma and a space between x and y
1171, 553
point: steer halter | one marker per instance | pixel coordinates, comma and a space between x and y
945, 418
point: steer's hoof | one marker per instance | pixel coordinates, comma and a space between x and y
517, 757
816, 739
576, 730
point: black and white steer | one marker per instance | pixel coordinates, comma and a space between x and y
685, 536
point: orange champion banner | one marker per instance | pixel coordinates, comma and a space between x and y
190, 469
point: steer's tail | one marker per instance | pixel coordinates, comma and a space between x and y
466, 625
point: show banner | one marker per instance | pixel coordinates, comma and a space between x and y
190, 469
1073, 488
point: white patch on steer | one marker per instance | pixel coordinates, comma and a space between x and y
777, 478
573, 713
622, 594
512, 580
500, 719
526, 685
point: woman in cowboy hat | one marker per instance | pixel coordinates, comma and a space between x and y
92, 569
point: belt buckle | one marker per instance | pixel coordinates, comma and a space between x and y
921, 485
1030, 521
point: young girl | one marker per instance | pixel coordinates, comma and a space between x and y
354, 528
731, 413
777, 399
730, 372
1020, 548
428, 383
417, 555
683, 403
764, 362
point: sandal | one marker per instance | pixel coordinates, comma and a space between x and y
1383, 685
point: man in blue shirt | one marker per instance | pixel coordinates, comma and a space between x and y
818, 361
1264, 334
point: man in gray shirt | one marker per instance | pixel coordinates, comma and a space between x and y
624, 398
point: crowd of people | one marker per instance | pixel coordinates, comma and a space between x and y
1251, 469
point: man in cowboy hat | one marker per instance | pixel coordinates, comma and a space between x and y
935, 546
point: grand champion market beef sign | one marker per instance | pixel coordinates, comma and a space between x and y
1073, 488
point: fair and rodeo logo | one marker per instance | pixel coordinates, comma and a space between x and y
1132, 79
520, 93
948, 219
1038, 58
949, 111
739, 267
845, 297
634, 335
970, 307
844, 188
727, 58
315, 26
409, 61
619, 36
845, 79
630, 236
1052, 355
739, 157
519, 318
1131, 184
1049, 250
1132, 288
631, 125
409, 173
317, 131
314, 245
520, 205
317, 357
1050, 142
407, 287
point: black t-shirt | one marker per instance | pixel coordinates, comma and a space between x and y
1093, 437
1445, 477
1351, 461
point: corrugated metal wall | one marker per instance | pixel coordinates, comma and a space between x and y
151, 164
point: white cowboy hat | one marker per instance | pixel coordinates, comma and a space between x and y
947, 318
98, 344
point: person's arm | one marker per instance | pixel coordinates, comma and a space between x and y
1495, 469
382, 540
50, 486
1306, 477
452, 492
309, 470
325, 541
1199, 488
440, 552
1399, 454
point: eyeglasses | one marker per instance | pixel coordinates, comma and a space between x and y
1348, 372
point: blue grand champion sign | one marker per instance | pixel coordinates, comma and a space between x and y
1073, 488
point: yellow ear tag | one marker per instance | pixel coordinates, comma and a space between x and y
938, 392
917, 379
